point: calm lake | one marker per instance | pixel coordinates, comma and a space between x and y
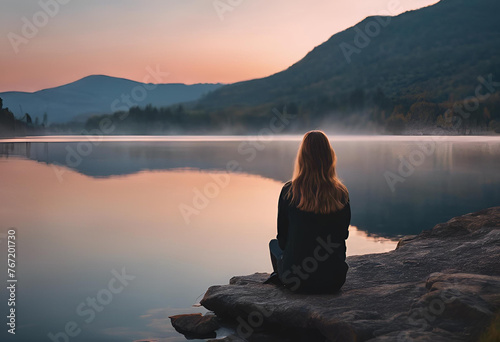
114, 235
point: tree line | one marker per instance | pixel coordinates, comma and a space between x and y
357, 111
12, 126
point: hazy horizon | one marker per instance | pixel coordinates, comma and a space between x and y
238, 43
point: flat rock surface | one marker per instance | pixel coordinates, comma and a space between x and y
441, 285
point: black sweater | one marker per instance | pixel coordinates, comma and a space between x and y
313, 246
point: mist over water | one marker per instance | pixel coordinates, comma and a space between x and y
85, 209
398, 184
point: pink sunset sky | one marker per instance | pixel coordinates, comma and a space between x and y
190, 39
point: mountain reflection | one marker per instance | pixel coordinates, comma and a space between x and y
454, 176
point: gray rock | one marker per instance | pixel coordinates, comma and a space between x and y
195, 325
441, 285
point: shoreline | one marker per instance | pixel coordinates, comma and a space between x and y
237, 138
440, 285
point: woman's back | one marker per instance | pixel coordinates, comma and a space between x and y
313, 246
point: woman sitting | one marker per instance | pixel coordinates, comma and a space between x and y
314, 214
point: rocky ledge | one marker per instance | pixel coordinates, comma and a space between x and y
440, 285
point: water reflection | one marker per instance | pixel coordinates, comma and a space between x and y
72, 234
459, 176
118, 207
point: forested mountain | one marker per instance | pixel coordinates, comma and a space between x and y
429, 58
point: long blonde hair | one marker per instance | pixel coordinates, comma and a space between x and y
315, 186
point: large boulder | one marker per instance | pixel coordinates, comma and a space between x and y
441, 285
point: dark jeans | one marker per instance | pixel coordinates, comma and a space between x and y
306, 286
276, 256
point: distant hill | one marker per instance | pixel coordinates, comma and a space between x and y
405, 74
98, 94
434, 54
